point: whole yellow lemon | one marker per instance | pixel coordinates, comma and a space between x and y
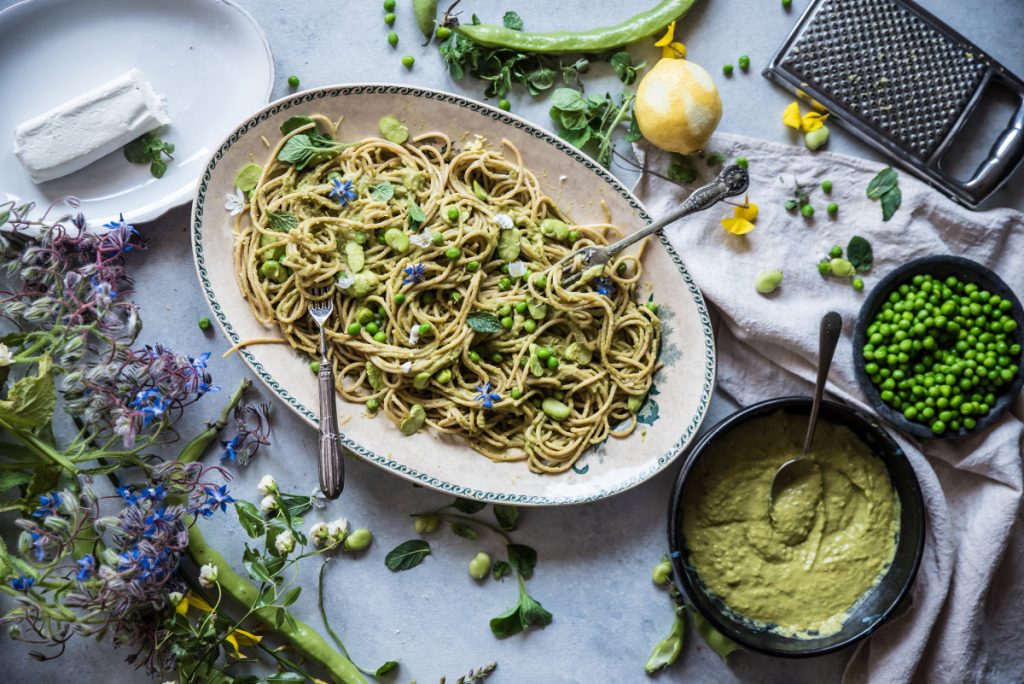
677, 106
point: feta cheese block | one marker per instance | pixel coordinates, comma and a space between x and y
85, 128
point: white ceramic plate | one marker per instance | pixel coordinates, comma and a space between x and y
682, 390
208, 58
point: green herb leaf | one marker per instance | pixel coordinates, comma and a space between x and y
255, 565
634, 133
13, 478
484, 322
250, 519
512, 21
501, 569
468, 506
681, 169
622, 63
290, 597
523, 558
385, 668
891, 201
137, 151
304, 149
30, 400
527, 612
464, 531
668, 649
393, 130
248, 176
568, 100
383, 192
407, 555
293, 122
149, 149
507, 516
882, 183
416, 213
718, 642
282, 221
158, 167
860, 254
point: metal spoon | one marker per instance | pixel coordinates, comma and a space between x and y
798, 468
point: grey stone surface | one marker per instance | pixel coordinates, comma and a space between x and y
595, 560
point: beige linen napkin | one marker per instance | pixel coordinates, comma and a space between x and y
963, 619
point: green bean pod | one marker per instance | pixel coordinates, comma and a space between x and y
593, 40
424, 12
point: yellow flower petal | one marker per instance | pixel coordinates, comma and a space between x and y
749, 212
197, 601
674, 50
182, 607
737, 226
670, 34
791, 117
812, 121
239, 637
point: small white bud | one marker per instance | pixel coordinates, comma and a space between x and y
268, 504
208, 575
285, 542
267, 485
319, 534
337, 529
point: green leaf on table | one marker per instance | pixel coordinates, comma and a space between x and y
385, 668
634, 133
882, 183
622, 63
255, 565
13, 478
501, 569
523, 558
718, 642
293, 122
511, 20
483, 322
407, 555
250, 519
282, 221
149, 149
891, 202
568, 100
382, 192
526, 613
290, 597
468, 506
540, 79
507, 516
860, 254
464, 531
30, 400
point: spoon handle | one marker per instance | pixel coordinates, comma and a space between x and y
828, 338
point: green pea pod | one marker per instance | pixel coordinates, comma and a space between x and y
594, 40
718, 642
668, 649
425, 11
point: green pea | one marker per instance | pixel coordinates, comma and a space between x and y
504, 284
389, 18
824, 268
742, 162
858, 284
204, 323
372, 405
826, 186
552, 362
727, 69
555, 409
353, 328
392, 39
543, 353
515, 393
442, 32
787, 3
832, 208
421, 381
455, 296
408, 61
504, 104
474, 357
835, 252
520, 307
529, 325
807, 210
427, 298
314, 366
540, 281
473, 266
426, 523
273, 271
574, 236
437, 239
453, 214
652, 306
505, 310
358, 540
293, 81
389, 5
443, 376
399, 298
744, 62
381, 336
372, 327
480, 566
506, 322
425, 328
497, 357
662, 573
453, 253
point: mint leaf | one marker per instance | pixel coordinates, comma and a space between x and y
407, 555
484, 322
250, 519
293, 122
468, 506
507, 516
501, 569
383, 192
523, 559
882, 183
860, 254
464, 531
891, 201
282, 221
511, 20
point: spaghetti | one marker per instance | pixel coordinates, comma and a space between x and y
443, 312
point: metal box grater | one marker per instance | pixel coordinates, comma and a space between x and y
903, 82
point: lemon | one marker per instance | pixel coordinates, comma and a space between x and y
677, 106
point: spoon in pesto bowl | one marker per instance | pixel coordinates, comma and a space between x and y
796, 485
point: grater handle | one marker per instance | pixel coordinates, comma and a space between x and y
1006, 153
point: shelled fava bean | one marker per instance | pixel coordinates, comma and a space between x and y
940, 351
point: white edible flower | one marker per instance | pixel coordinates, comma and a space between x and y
319, 534
517, 269
414, 335
267, 485
208, 575
285, 542
337, 530
268, 504
345, 281
175, 598
407, 366
504, 221
5, 355
423, 239
235, 202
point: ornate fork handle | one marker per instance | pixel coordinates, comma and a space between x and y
332, 467
732, 181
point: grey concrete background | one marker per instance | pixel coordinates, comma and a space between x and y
593, 573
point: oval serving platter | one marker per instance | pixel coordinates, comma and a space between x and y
670, 417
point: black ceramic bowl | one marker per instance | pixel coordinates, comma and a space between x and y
938, 267
882, 600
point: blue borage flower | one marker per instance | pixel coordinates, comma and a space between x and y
48, 505
605, 286
485, 396
216, 497
86, 565
119, 237
127, 495
157, 520
231, 448
342, 191
151, 404
38, 545
414, 273
22, 583
104, 291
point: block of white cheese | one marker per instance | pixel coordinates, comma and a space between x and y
85, 128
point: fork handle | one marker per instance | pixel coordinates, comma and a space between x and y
331, 466
733, 180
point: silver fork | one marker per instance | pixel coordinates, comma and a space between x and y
732, 181
331, 467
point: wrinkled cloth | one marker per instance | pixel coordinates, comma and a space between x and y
963, 620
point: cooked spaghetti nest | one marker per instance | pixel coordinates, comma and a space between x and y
425, 249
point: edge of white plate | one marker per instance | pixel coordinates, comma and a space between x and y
308, 414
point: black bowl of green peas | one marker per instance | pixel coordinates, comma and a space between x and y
937, 347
